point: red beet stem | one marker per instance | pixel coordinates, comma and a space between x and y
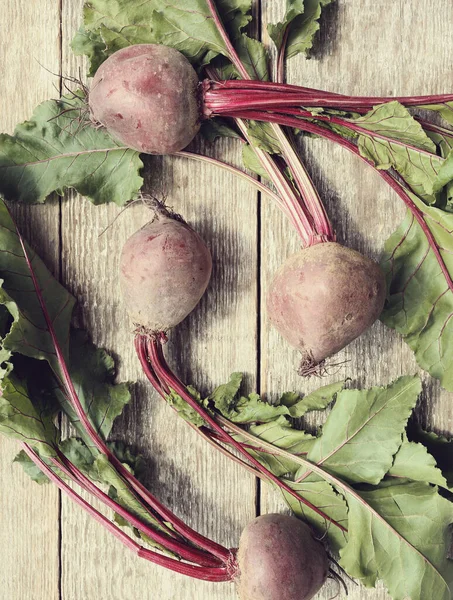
311, 218
205, 573
182, 549
133, 484
212, 437
160, 366
140, 348
390, 179
225, 97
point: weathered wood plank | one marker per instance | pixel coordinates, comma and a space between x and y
365, 47
29, 527
220, 337
362, 50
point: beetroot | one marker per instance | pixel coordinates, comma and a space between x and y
165, 268
146, 96
279, 559
324, 297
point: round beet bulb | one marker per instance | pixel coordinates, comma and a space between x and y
147, 97
279, 559
324, 297
165, 268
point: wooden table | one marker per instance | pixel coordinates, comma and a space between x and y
49, 549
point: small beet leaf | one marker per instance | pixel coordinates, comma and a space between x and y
413, 461
299, 25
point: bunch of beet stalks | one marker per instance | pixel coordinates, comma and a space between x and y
295, 559
321, 299
150, 98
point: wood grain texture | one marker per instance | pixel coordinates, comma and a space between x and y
29, 514
364, 47
203, 487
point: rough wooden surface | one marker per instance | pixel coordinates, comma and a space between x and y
29, 514
366, 46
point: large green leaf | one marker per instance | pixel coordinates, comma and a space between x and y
300, 24
403, 540
27, 284
363, 431
420, 301
397, 140
57, 150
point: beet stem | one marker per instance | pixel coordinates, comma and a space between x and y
265, 86
233, 55
205, 573
163, 371
131, 481
212, 437
140, 348
394, 184
314, 223
281, 57
307, 190
186, 552
299, 216
220, 99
